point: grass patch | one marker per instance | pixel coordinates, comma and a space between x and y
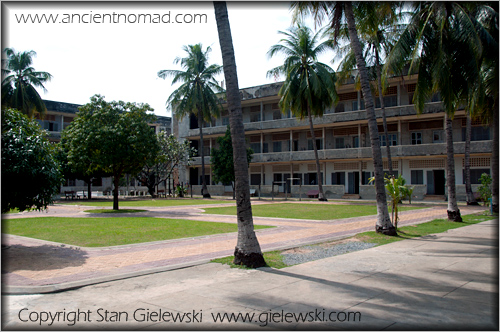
150, 202
100, 232
114, 211
414, 231
274, 259
306, 211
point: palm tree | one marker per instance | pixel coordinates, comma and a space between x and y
309, 87
19, 83
378, 28
197, 94
247, 251
335, 11
443, 38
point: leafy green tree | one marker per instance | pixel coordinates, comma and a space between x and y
172, 154
197, 93
70, 171
112, 137
485, 188
442, 41
335, 12
30, 172
222, 160
19, 82
247, 251
309, 86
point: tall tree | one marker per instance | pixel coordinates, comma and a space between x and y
379, 26
309, 86
442, 42
247, 251
335, 11
31, 175
172, 153
222, 160
20, 80
112, 137
197, 94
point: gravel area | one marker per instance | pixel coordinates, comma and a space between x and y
311, 253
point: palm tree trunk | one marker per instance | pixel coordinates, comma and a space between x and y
116, 182
468, 187
384, 224
382, 107
494, 162
247, 251
321, 195
89, 189
453, 210
204, 190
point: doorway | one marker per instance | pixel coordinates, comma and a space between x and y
353, 183
436, 182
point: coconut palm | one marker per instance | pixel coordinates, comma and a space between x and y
442, 42
197, 94
19, 82
309, 87
247, 251
378, 25
335, 11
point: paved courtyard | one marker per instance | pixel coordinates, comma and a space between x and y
445, 281
36, 266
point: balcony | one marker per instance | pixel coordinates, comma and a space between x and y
436, 149
327, 119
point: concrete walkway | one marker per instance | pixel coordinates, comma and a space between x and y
35, 266
446, 281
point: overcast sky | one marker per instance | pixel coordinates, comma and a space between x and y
120, 60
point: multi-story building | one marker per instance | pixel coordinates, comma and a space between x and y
283, 147
59, 115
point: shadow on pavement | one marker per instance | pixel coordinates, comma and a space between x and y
39, 258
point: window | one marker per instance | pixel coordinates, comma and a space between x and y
393, 140
389, 101
255, 147
254, 117
365, 178
416, 138
276, 114
296, 145
277, 146
225, 121
478, 133
339, 143
70, 183
265, 148
50, 126
254, 179
319, 144
355, 142
417, 177
438, 136
338, 178
475, 175
339, 108
355, 105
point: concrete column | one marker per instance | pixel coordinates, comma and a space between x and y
261, 111
399, 94
359, 100
261, 143
62, 123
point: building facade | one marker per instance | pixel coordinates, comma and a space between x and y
283, 148
59, 115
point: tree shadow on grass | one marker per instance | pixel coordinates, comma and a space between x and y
41, 258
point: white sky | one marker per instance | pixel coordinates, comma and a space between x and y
121, 60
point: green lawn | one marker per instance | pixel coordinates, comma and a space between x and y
413, 231
306, 211
99, 232
274, 259
150, 202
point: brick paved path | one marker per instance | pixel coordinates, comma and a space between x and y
31, 262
